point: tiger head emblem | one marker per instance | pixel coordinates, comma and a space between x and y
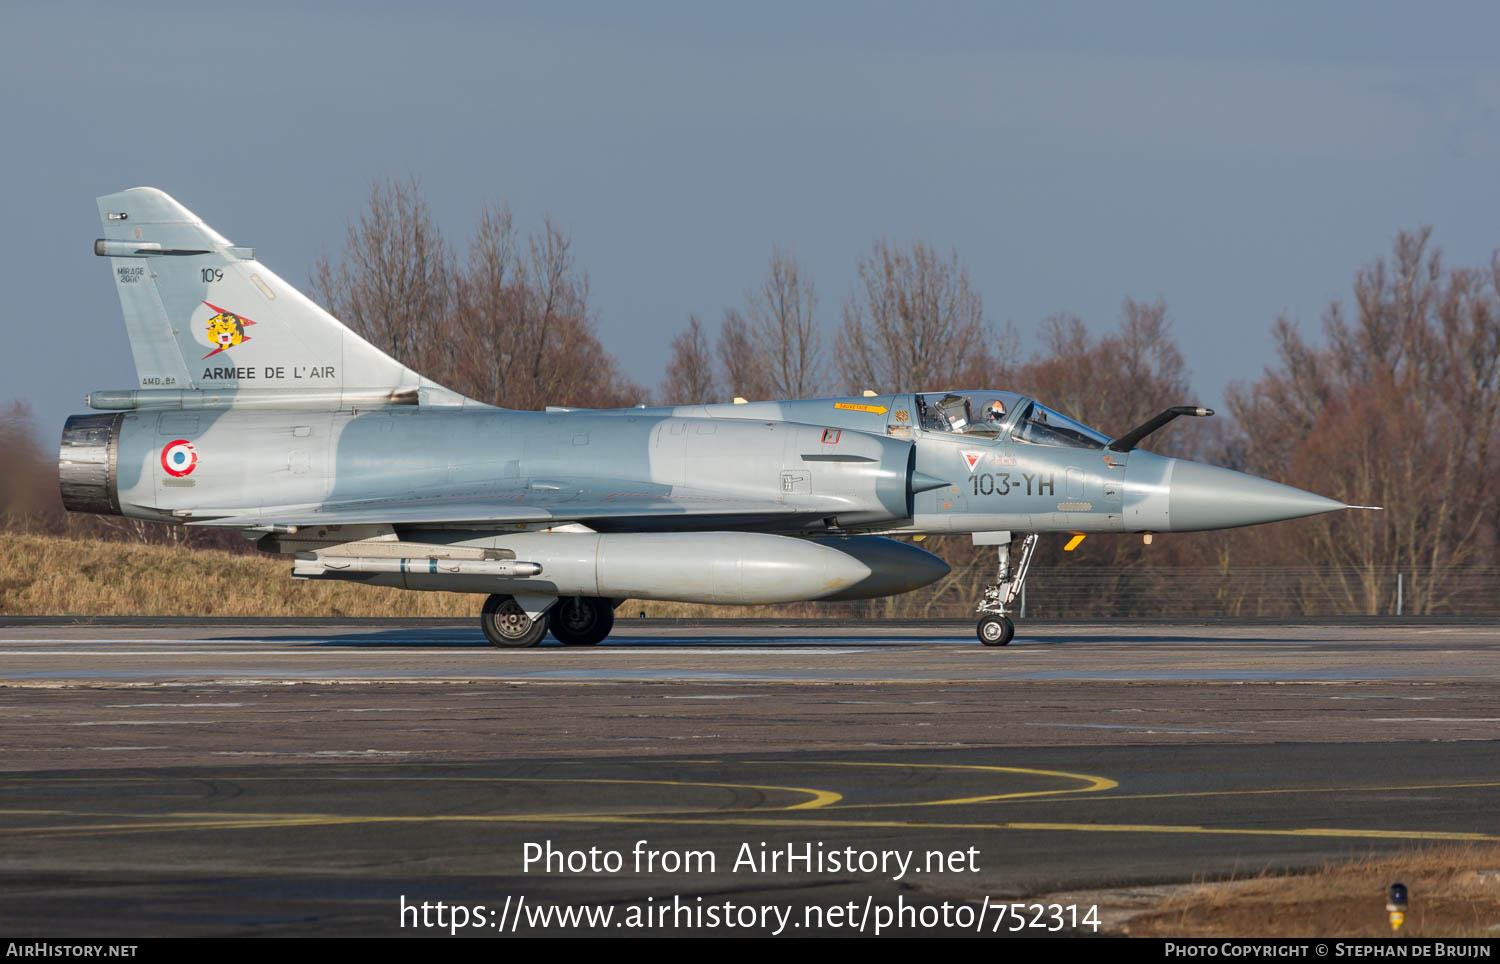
225, 330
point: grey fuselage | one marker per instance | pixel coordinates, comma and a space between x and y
846, 463
251, 461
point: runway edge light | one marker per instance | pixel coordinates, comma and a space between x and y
1395, 905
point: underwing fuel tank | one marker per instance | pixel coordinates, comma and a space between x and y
705, 567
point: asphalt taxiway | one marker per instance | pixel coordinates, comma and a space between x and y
259, 778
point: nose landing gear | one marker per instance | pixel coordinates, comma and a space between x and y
995, 625
996, 630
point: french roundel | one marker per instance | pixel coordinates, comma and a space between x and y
178, 458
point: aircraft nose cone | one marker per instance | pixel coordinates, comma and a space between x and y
1208, 497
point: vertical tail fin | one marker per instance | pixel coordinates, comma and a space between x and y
203, 314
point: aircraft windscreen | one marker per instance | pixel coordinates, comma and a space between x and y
1040, 425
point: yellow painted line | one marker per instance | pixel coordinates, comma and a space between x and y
67, 830
185, 815
1251, 793
1092, 784
812, 804
306, 820
195, 820
1077, 827
1253, 832
819, 798
336, 820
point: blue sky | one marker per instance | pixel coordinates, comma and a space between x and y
1238, 162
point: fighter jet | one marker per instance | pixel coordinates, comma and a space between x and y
258, 411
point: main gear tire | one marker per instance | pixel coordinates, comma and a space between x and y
581, 620
507, 625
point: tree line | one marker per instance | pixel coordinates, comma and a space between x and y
1399, 406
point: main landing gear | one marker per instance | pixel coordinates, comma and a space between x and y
573, 620
506, 623
582, 620
995, 626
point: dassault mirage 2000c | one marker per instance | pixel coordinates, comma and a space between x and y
256, 410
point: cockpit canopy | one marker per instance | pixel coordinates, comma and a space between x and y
983, 414
1003, 415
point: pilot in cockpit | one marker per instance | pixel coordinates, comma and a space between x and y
978, 415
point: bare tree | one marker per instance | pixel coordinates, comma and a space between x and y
478, 338
1402, 409
781, 317
511, 327
740, 354
29, 499
521, 334
1113, 382
913, 322
394, 283
690, 371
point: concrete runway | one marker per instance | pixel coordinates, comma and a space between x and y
261, 779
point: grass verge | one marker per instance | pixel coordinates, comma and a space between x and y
1455, 892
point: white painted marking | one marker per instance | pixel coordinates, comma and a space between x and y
317, 753
127, 748
384, 709
132, 706
1138, 727
734, 696
726, 650
106, 639
148, 723
165, 652
1435, 719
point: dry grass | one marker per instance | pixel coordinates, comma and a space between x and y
1451, 896
47, 575
44, 575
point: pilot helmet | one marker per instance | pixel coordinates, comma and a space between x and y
995, 411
